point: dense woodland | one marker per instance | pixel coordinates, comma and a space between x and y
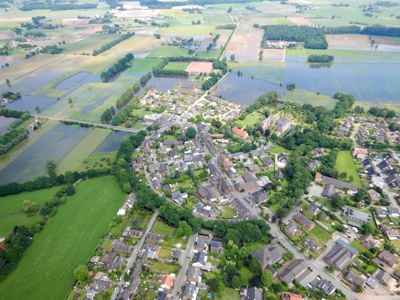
28, 6
378, 30
313, 38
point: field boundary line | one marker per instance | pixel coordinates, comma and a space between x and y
227, 43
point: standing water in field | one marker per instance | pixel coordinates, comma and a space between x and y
70, 82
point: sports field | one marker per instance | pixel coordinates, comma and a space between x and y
68, 240
345, 163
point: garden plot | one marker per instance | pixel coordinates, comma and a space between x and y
245, 44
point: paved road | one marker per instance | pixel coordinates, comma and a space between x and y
132, 258
118, 128
184, 262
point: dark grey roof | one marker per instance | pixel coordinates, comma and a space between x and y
194, 272
189, 290
266, 255
162, 295
254, 293
339, 183
215, 244
311, 244
329, 190
326, 286
293, 270
199, 257
354, 278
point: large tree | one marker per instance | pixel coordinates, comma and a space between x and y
266, 278
191, 132
29, 207
81, 273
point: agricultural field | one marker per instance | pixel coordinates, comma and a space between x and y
245, 44
81, 150
345, 163
54, 145
217, 18
169, 51
89, 44
180, 66
11, 213
63, 244
274, 55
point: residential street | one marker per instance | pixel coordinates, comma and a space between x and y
184, 262
133, 256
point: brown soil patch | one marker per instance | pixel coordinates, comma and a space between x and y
385, 40
275, 55
7, 35
199, 67
222, 40
348, 41
301, 22
138, 44
76, 22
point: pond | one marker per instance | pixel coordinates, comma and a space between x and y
70, 82
163, 83
244, 89
4, 122
32, 163
112, 142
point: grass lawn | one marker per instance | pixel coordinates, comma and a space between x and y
251, 119
303, 97
357, 245
228, 212
67, 241
210, 54
162, 228
164, 253
278, 149
284, 22
228, 294
175, 242
169, 51
180, 66
253, 247
11, 209
275, 207
272, 296
246, 273
321, 236
396, 243
345, 163
163, 268
140, 219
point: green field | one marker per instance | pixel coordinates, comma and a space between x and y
164, 253
303, 97
89, 44
169, 51
278, 149
67, 240
321, 236
11, 209
357, 245
162, 268
228, 212
210, 54
228, 294
250, 119
345, 163
180, 66
217, 18
162, 228
284, 22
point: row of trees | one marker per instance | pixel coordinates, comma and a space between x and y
210, 82
107, 114
28, 6
145, 78
124, 97
11, 138
118, 66
263, 100
113, 43
378, 30
313, 38
382, 112
324, 58
123, 114
227, 26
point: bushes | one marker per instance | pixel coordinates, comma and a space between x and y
145, 78
124, 97
210, 82
113, 43
11, 138
320, 58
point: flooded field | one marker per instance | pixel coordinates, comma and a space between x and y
112, 142
32, 163
70, 82
232, 89
4, 122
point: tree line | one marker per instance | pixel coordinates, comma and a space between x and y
123, 114
123, 98
382, 112
113, 43
324, 58
145, 78
210, 82
159, 69
118, 66
12, 138
28, 6
313, 38
107, 114
11, 113
378, 30
227, 27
